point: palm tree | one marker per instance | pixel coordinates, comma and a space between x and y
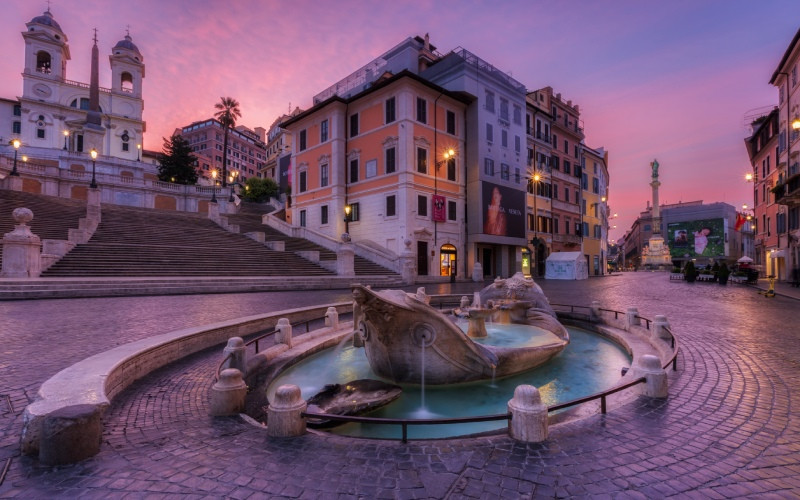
228, 113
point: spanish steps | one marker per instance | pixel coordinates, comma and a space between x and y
139, 242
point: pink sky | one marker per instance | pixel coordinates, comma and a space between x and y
668, 80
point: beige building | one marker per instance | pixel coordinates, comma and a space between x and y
594, 184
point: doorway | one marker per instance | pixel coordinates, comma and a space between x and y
447, 260
422, 258
487, 261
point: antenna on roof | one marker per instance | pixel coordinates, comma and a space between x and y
290, 107
127, 30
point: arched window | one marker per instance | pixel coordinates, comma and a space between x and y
125, 139
126, 82
43, 61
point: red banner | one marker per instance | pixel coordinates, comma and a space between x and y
439, 208
740, 220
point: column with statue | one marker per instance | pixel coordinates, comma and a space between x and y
656, 255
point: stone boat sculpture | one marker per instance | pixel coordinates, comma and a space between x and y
408, 341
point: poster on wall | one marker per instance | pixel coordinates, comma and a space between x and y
697, 238
503, 211
439, 212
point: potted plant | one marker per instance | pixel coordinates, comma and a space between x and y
723, 273
690, 272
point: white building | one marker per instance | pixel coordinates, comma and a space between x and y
55, 111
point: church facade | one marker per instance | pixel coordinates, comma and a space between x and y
55, 112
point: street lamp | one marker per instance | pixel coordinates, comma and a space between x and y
93, 184
347, 210
16, 143
231, 179
138, 152
534, 180
66, 136
214, 186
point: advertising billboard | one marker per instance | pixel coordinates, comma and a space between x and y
697, 238
284, 172
503, 211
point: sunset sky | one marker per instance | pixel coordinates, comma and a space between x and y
673, 80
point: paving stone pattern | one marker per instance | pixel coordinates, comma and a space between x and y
730, 427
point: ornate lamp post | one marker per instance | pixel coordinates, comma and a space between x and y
214, 186
16, 143
231, 179
93, 184
138, 152
66, 137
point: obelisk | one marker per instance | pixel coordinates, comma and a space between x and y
656, 209
656, 255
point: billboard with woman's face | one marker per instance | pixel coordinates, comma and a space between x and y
697, 238
503, 211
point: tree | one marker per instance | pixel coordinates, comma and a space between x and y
177, 161
228, 113
260, 189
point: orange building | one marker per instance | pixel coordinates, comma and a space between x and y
761, 147
393, 156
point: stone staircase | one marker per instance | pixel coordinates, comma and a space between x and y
249, 220
144, 242
53, 217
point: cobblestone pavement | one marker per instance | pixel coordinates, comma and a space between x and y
730, 428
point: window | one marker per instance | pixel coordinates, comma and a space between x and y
323, 175
517, 115
125, 146
554, 162
504, 109
488, 166
40, 133
451, 169
489, 132
422, 206
567, 167
353, 125
504, 171
490, 101
555, 141
566, 193
323, 131
451, 210
17, 110
578, 197
323, 214
595, 185
517, 144
597, 231
504, 138
16, 128
422, 110
555, 191
389, 113
585, 181
566, 147
451, 123
422, 160
390, 160
516, 175
301, 145
586, 229
302, 218
576, 151
555, 225
303, 185
354, 212
354, 170
391, 206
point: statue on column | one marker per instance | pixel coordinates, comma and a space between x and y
654, 166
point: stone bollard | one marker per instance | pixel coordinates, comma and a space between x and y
595, 315
228, 394
406, 262
632, 317
660, 327
477, 272
332, 318
464, 302
21, 248
528, 415
283, 413
236, 350
345, 259
284, 332
656, 377
71, 434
